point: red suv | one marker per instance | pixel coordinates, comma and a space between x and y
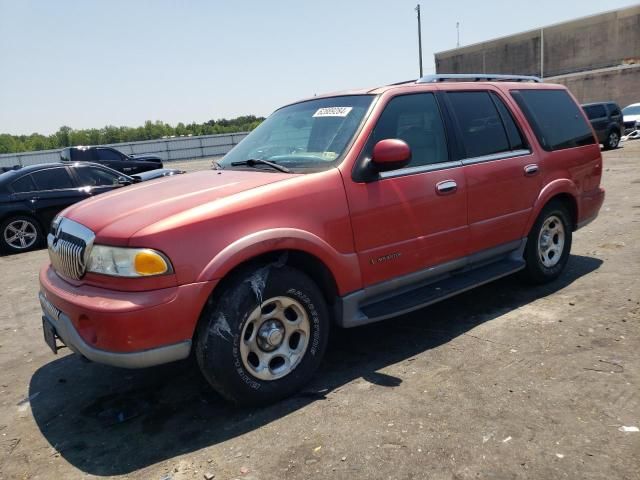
342, 209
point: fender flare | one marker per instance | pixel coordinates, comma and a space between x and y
615, 126
344, 267
560, 186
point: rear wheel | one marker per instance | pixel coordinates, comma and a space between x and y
613, 140
549, 244
20, 234
263, 335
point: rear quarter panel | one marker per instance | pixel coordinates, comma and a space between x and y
573, 171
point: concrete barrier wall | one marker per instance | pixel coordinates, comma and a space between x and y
621, 84
595, 42
517, 54
182, 148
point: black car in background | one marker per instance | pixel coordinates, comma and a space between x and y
30, 197
112, 158
606, 119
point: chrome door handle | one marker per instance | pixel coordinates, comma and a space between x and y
446, 187
531, 170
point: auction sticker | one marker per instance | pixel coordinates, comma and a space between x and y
333, 112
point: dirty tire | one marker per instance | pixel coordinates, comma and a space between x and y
536, 271
31, 234
225, 319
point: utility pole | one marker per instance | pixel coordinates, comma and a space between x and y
542, 53
419, 40
458, 30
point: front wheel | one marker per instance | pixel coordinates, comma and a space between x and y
20, 234
263, 334
548, 244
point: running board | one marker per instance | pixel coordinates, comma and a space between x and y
422, 296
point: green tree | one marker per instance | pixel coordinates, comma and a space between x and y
67, 136
62, 136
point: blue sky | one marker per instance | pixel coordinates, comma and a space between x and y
91, 63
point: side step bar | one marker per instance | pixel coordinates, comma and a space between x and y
450, 285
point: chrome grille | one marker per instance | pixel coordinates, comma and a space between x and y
69, 247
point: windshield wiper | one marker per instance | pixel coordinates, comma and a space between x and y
252, 162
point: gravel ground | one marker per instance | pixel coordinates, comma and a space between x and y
505, 381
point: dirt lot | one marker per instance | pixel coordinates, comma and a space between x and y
502, 382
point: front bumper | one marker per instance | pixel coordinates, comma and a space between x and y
72, 339
123, 329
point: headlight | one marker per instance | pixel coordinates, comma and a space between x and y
127, 262
55, 223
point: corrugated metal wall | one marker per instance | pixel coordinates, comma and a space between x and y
182, 148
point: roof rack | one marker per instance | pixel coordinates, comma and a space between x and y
403, 83
477, 77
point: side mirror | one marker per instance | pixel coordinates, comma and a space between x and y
391, 154
124, 181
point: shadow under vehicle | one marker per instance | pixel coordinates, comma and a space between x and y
89, 412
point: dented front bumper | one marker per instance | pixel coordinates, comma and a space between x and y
124, 329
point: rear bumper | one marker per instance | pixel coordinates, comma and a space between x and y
124, 329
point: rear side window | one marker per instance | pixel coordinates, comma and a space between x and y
24, 184
595, 111
480, 124
555, 118
52, 179
416, 120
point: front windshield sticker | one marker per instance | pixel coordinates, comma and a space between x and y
333, 112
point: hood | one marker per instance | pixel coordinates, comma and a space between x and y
115, 216
631, 118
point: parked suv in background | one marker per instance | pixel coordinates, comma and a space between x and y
112, 158
606, 120
343, 209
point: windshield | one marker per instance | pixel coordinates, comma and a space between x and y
631, 110
306, 136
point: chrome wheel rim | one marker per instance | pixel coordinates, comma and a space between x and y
613, 139
551, 241
275, 338
20, 234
